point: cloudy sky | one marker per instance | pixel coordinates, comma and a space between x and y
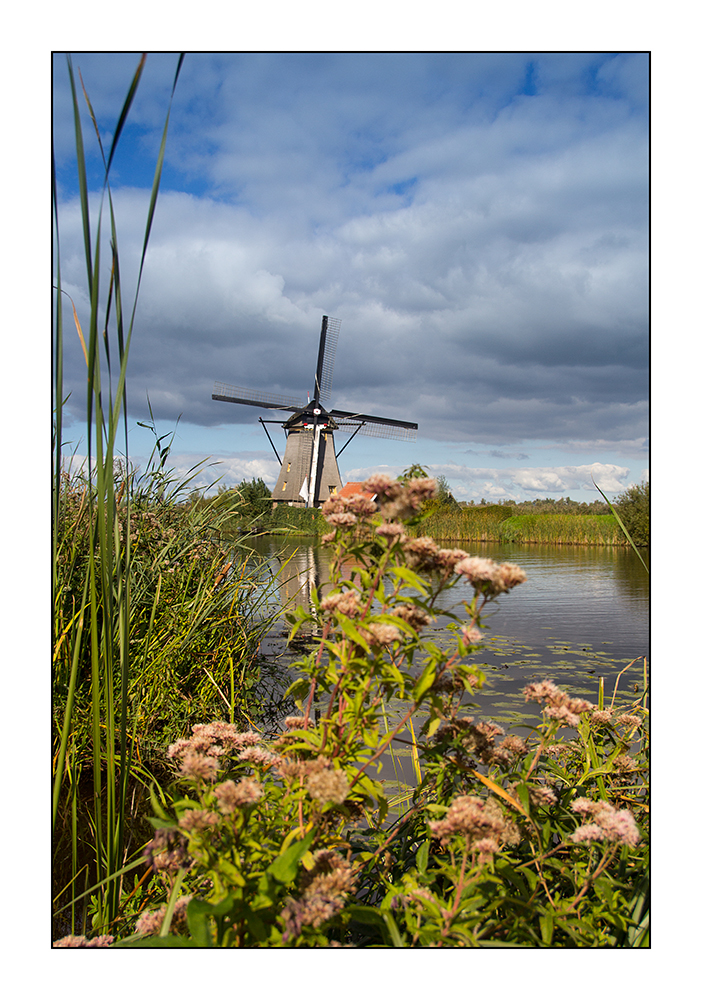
478, 222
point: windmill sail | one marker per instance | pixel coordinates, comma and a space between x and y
379, 427
255, 397
324, 374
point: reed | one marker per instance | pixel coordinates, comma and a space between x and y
156, 623
497, 524
563, 529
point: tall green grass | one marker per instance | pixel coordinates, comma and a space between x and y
563, 529
154, 627
498, 524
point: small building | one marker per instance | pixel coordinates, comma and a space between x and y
354, 489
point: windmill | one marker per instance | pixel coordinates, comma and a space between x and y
309, 473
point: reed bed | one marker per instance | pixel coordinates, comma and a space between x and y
156, 622
499, 525
563, 529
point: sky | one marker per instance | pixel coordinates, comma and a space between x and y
477, 221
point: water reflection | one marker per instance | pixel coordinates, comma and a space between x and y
583, 613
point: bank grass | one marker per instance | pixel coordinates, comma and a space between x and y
563, 529
498, 524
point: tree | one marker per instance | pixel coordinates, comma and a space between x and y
254, 498
633, 506
414, 472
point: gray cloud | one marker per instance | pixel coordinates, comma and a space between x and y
484, 245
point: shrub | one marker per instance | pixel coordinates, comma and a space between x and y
292, 841
633, 506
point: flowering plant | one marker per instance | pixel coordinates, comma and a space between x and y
291, 841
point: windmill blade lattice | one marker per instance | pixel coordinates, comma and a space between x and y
255, 397
378, 427
370, 429
329, 338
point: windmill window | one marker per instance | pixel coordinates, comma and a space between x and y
284, 487
289, 466
332, 490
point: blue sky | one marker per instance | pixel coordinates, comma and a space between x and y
478, 222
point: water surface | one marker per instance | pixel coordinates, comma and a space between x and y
582, 614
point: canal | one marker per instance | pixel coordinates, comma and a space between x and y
582, 614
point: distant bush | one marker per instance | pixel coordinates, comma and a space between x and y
634, 506
545, 506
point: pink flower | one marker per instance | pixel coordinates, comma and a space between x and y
616, 826
559, 705
199, 766
232, 795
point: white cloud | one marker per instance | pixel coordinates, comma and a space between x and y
520, 483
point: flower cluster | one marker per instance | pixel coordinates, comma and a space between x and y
414, 616
479, 738
328, 786
167, 851
488, 577
614, 826
197, 819
292, 770
345, 603
424, 554
380, 634
480, 821
323, 782
232, 795
325, 888
151, 922
559, 705
257, 756
344, 512
80, 941
199, 754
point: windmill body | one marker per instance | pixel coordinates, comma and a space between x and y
309, 473
309, 467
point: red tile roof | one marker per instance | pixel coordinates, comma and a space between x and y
354, 489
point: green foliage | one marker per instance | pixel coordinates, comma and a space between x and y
251, 500
295, 520
413, 472
562, 529
536, 841
634, 508
154, 622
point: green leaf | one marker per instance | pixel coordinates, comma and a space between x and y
365, 915
349, 629
433, 726
410, 578
425, 681
298, 688
546, 924
397, 939
422, 857
156, 805
285, 866
197, 915
170, 941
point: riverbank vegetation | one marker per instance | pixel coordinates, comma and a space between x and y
555, 522
292, 840
271, 825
